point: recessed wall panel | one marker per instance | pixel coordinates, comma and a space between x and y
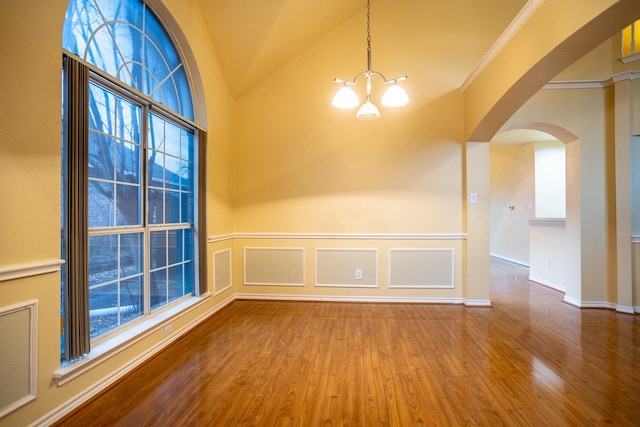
421, 268
221, 271
353, 268
274, 266
17, 356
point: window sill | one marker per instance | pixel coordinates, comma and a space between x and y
109, 347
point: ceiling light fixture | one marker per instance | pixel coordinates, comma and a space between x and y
346, 97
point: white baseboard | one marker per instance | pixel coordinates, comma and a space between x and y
511, 260
547, 283
346, 298
625, 309
589, 304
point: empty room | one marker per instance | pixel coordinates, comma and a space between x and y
338, 212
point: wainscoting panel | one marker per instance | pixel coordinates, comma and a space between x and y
274, 266
421, 268
17, 355
352, 268
221, 271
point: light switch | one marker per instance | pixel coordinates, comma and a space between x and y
473, 198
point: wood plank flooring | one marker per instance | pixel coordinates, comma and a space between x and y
530, 360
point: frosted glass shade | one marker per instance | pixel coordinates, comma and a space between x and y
368, 111
345, 98
395, 96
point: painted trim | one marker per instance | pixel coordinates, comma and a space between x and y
548, 284
588, 304
338, 236
625, 309
345, 298
453, 268
577, 84
511, 260
220, 238
592, 84
21, 271
523, 16
32, 306
478, 303
547, 221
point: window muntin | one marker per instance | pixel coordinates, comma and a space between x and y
126, 40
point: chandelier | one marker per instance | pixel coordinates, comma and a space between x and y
346, 97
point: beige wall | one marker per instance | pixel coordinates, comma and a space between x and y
512, 184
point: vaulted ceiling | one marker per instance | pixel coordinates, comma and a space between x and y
253, 38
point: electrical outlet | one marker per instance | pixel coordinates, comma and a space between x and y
358, 274
167, 330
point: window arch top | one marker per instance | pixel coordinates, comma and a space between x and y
125, 39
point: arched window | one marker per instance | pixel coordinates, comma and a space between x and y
126, 40
131, 228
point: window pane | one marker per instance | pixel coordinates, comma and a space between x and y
100, 156
187, 207
188, 244
131, 254
101, 209
172, 207
156, 169
131, 299
103, 309
186, 176
186, 145
128, 167
156, 132
175, 282
174, 246
189, 282
103, 260
172, 172
172, 144
128, 201
158, 290
128, 120
156, 206
101, 109
158, 249
184, 92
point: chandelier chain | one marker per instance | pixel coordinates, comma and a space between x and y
369, 35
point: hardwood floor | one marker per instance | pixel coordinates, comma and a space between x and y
530, 360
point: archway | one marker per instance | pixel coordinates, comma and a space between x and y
552, 254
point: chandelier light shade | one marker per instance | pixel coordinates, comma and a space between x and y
346, 97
